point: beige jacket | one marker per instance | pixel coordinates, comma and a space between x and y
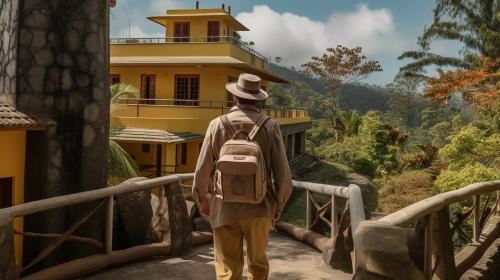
270, 140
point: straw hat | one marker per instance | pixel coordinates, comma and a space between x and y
247, 87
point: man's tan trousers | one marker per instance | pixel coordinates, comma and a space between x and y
228, 247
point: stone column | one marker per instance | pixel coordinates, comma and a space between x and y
61, 74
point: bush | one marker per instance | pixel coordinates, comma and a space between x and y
405, 189
450, 180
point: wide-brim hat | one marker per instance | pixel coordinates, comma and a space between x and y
247, 87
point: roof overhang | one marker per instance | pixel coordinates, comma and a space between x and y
162, 20
12, 119
151, 136
195, 61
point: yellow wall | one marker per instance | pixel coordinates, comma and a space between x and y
12, 151
212, 79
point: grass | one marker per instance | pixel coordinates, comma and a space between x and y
326, 173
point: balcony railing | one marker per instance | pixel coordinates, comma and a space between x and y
191, 40
276, 112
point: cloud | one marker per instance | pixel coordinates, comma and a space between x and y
296, 38
137, 32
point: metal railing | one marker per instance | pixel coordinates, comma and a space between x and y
180, 226
432, 229
190, 40
272, 111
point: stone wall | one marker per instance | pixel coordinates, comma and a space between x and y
8, 50
62, 76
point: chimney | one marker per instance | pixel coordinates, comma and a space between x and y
229, 9
197, 5
223, 7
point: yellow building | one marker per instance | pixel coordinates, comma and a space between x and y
182, 78
13, 128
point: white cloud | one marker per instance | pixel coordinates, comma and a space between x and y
137, 32
296, 38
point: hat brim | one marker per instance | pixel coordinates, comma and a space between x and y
262, 95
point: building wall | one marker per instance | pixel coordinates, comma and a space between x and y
12, 151
212, 79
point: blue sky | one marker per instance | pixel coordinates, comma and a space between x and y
296, 30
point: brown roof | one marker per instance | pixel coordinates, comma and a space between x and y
12, 118
147, 135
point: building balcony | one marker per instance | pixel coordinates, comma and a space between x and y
177, 115
188, 46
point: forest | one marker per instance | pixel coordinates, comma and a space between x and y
421, 134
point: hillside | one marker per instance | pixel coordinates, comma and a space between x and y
307, 91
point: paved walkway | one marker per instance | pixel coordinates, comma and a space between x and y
288, 259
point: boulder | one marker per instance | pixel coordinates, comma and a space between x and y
368, 191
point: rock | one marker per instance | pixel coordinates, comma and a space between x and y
382, 252
140, 220
368, 191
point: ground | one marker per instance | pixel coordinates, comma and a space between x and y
288, 259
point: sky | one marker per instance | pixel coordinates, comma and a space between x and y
297, 29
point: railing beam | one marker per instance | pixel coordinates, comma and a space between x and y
428, 247
477, 216
308, 210
109, 226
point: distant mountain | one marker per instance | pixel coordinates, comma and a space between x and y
360, 97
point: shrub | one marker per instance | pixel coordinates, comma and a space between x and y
450, 180
405, 189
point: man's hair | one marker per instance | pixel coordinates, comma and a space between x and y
244, 101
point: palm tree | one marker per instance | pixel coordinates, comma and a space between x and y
475, 24
350, 121
121, 165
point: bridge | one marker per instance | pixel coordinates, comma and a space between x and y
413, 243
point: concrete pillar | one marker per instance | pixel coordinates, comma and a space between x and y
171, 158
290, 147
59, 73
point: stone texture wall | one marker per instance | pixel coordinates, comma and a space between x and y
8, 50
62, 75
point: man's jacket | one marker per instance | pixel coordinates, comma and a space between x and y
270, 141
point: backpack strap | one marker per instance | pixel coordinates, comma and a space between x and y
260, 122
227, 125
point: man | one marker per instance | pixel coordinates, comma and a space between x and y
232, 221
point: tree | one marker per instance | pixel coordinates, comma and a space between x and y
475, 24
121, 165
480, 85
351, 121
401, 104
339, 66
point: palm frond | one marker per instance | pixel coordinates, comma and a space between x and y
118, 91
121, 165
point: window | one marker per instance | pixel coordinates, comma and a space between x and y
213, 31
148, 83
184, 147
114, 79
6, 192
187, 87
229, 96
181, 32
146, 148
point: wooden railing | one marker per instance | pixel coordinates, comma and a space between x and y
181, 235
420, 235
337, 248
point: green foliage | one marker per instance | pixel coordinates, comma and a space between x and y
118, 91
121, 165
472, 145
475, 24
351, 122
450, 180
404, 189
422, 159
439, 133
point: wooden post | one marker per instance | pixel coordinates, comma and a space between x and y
498, 205
477, 214
308, 210
158, 159
7, 255
442, 246
428, 247
180, 225
335, 218
109, 226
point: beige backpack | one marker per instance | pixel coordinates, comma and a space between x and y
240, 172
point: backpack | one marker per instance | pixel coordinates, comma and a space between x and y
240, 173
